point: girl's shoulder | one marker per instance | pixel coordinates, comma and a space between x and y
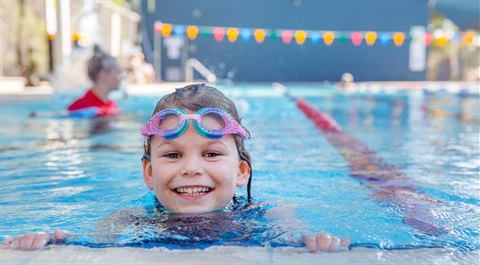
123, 216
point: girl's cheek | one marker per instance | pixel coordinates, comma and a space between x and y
163, 172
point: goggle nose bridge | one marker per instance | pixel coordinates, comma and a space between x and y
182, 118
195, 117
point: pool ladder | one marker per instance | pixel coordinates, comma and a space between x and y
193, 64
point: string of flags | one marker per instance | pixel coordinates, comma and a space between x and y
233, 34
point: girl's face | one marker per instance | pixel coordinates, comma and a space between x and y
194, 174
112, 78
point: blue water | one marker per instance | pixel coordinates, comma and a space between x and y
70, 173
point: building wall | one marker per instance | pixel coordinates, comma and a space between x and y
273, 60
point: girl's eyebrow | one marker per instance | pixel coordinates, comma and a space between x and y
215, 141
210, 142
164, 143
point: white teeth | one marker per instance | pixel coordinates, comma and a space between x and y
193, 191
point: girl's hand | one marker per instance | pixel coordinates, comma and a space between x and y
324, 242
34, 241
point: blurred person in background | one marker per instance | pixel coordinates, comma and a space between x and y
106, 74
346, 81
139, 71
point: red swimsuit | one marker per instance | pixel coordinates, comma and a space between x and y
90, 100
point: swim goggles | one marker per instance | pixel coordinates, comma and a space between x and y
209, 122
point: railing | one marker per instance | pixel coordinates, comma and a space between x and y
193, 64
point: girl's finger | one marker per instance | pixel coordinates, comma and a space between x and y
26, 241
59, 236
40, 240
323, 241
334, 245
310, 242
7, 242
346, 243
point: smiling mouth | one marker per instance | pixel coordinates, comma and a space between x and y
193, 191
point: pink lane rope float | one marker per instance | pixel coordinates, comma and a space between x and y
390, 184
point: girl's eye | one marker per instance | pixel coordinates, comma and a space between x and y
172, 155
211, 154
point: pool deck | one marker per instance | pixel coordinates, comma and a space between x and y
14, 91
233, 255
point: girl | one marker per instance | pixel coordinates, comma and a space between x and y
194, 160
106, 74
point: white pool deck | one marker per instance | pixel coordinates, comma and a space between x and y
233, 255
13, 90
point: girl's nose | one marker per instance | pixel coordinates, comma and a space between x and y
192, 166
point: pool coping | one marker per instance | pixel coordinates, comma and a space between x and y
18, 92
233, 255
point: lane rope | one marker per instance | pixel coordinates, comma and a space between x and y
389, 183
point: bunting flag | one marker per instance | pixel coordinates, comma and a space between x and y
357, 38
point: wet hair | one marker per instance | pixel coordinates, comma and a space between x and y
100, 61
193, 98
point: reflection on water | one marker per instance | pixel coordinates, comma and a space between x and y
66, 132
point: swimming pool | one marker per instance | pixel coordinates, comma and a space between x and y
69, 173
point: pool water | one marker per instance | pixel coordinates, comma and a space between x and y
70, 173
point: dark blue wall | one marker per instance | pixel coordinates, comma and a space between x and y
275, 61
464, 13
